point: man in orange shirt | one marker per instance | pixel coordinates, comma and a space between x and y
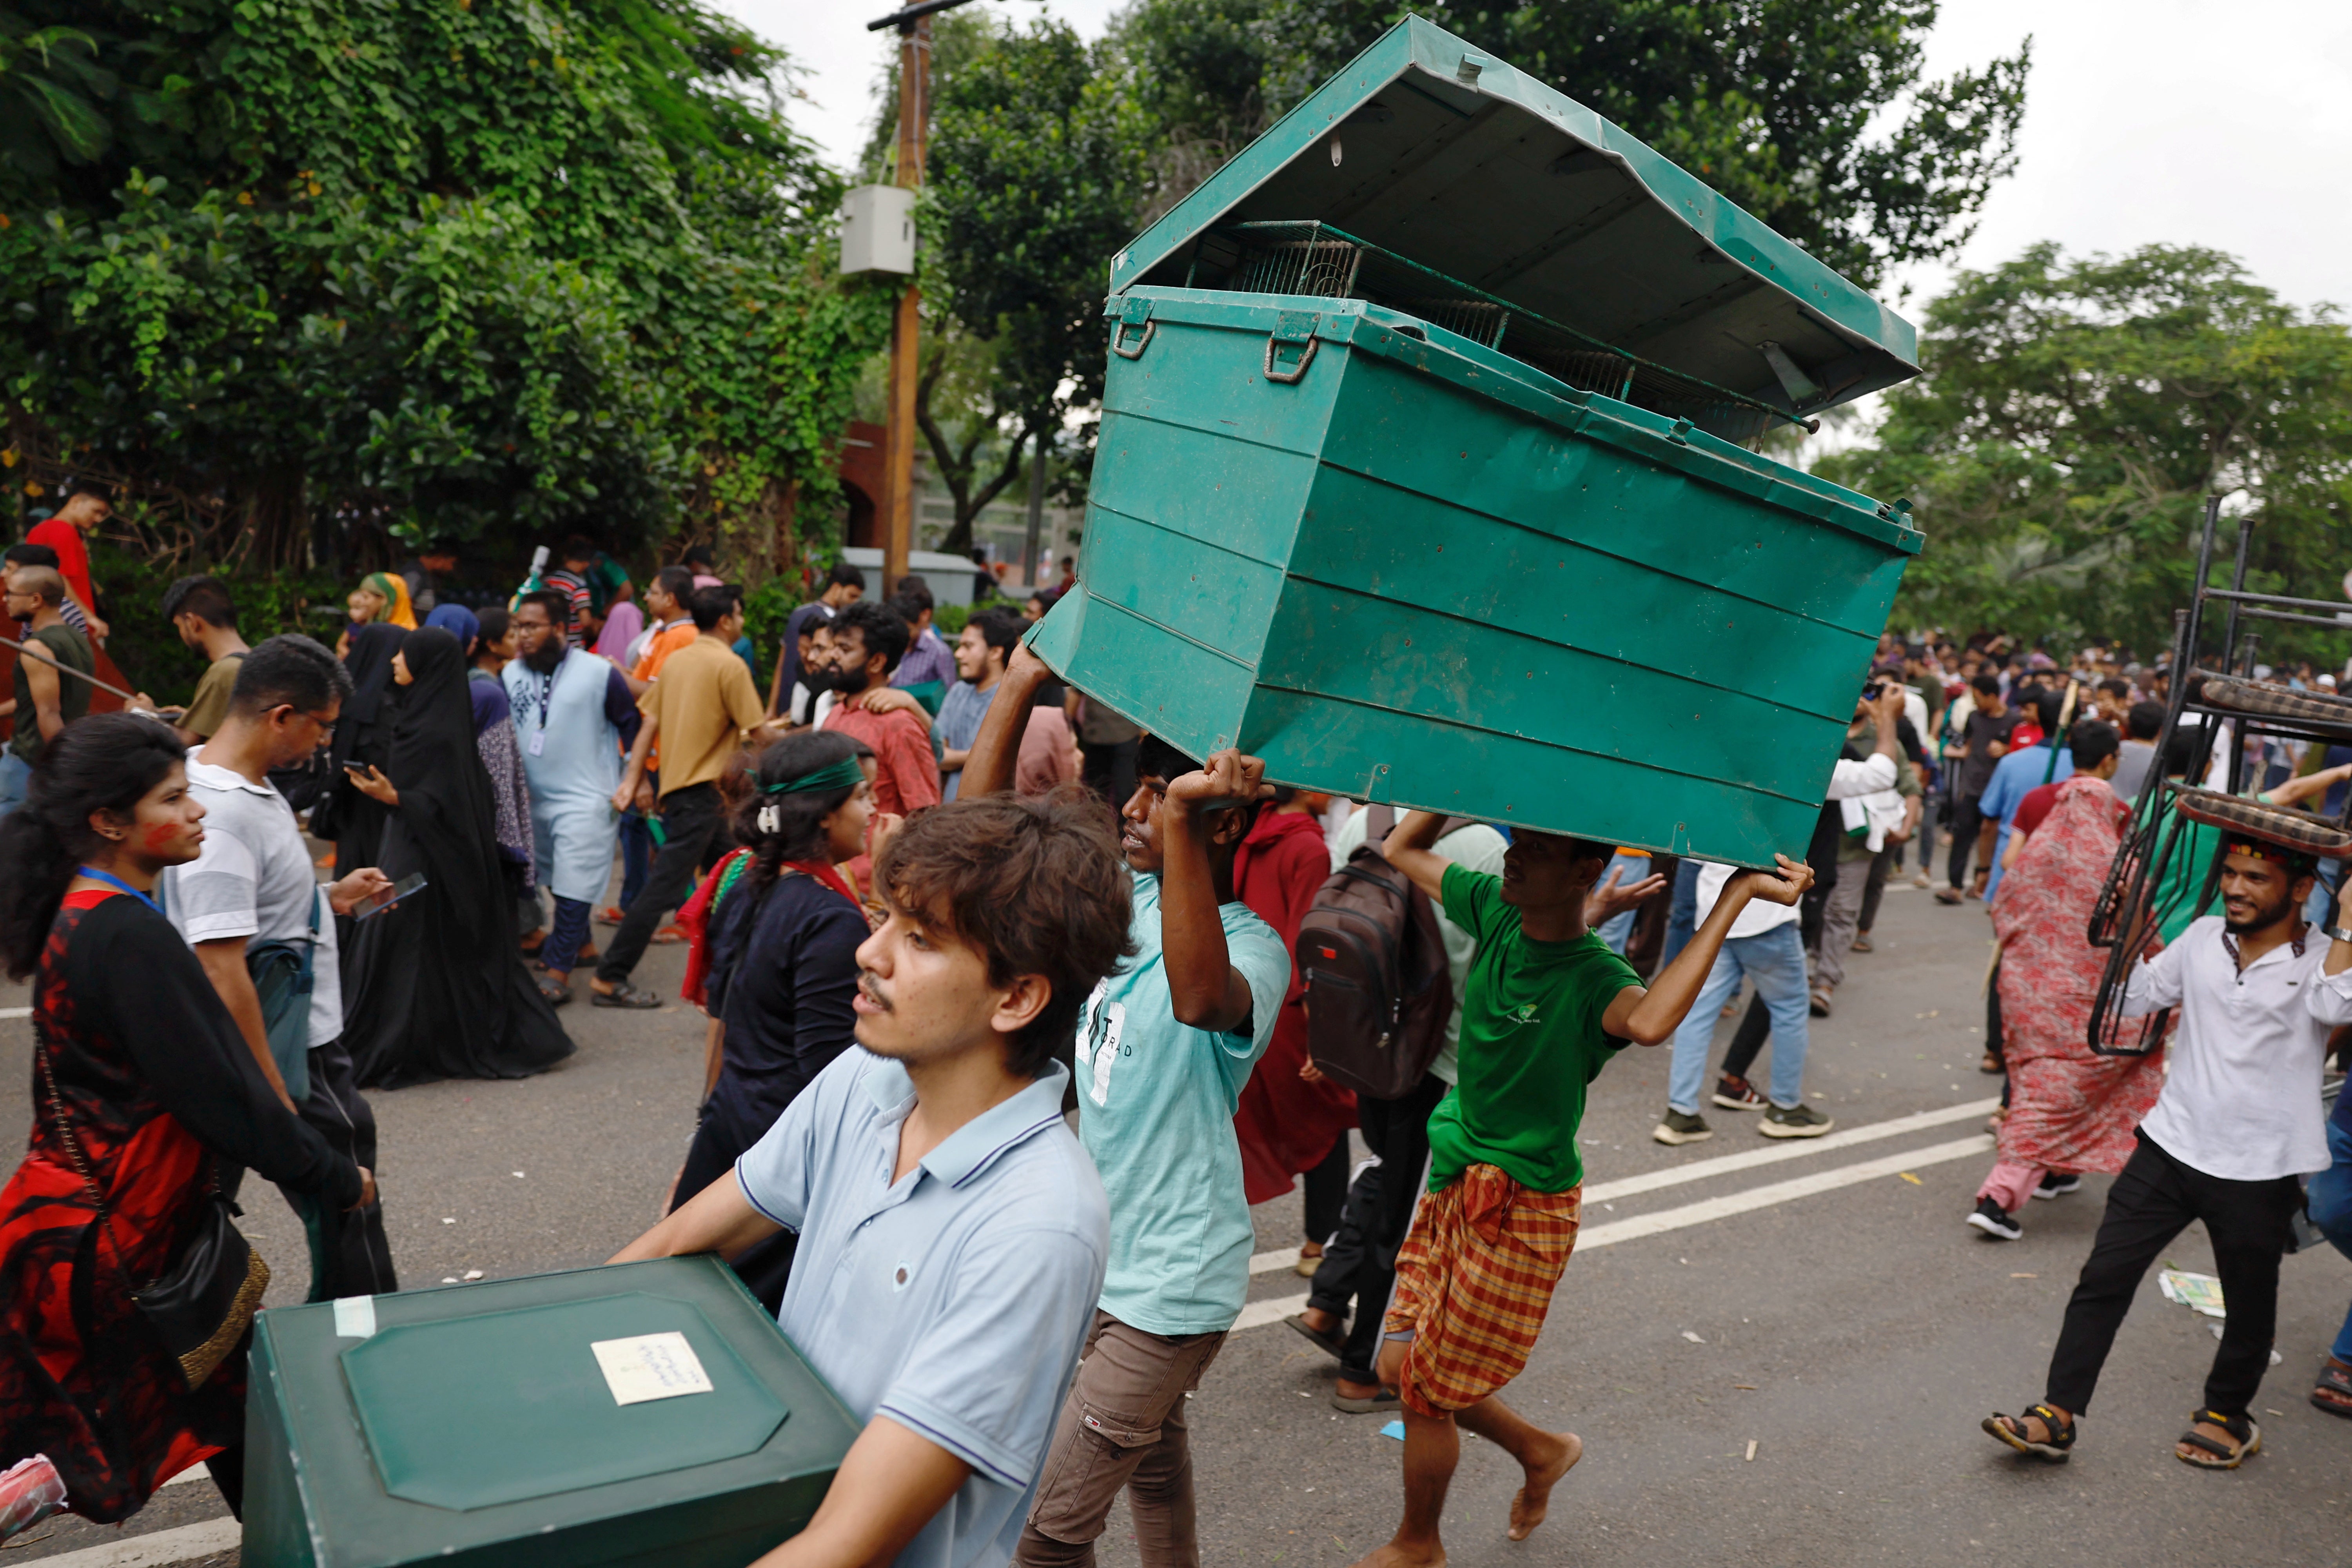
672, 623
702, 709
672, 629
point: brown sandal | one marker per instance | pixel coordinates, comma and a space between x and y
2335, 1378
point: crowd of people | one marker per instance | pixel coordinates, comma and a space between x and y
1010, 1020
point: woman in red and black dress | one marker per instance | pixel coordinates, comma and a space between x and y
159, 1092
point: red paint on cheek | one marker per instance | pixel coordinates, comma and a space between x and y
159, 835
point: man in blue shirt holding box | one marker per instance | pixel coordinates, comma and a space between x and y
952, 1234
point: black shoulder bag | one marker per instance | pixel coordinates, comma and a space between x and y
203, 1302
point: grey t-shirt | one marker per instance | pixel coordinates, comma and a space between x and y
254, 879
2133, 759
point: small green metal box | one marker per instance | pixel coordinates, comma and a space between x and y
477, 1426
1418, 472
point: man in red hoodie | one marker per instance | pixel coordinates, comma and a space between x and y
1291, 1118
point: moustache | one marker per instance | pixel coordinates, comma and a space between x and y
871, 989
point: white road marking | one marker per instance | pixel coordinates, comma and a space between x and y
16, 1011
154, 1550
1787, 1149
1702, 1170
1763, 1197
1258, 1313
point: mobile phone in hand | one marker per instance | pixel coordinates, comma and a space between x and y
376, 903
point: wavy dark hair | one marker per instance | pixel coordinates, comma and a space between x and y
799, 832
106, 762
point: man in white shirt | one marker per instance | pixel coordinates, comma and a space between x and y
2238, 1122
1764, 946
254, 883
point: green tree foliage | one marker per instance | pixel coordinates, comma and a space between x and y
1035, 176
471, 269
1038, 162
2073, 416
1770, 101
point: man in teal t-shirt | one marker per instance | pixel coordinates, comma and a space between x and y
1164, 1050
1546, 1006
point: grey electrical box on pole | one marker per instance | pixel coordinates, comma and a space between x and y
877, 230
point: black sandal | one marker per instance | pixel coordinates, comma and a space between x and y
2011, 1429
2334, 1378
2246, 1440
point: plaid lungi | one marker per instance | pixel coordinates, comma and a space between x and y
1473, 1281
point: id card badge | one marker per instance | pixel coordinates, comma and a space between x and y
538, 743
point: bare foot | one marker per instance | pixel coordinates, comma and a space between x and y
1534, 1499
1396, 1555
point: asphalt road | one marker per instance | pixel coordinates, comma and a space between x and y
1872, 1329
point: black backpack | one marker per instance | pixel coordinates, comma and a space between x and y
1377, 989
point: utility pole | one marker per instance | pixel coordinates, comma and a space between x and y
914, 26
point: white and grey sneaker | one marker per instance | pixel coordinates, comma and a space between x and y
1683, 1127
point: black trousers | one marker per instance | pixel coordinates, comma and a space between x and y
1360, 1263
349, 1254
1966, 820
1327, 1191
691, 818
2151, 1202
766, 1267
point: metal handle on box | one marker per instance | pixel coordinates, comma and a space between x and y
1118, 339
1275, 340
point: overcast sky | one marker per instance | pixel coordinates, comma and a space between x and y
2187, 121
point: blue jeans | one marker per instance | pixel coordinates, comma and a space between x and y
2324, 885
1682, 915
2329, 1203
1776, 961
1618, 930
15, 773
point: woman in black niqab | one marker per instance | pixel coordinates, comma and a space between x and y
363, 738
435, 986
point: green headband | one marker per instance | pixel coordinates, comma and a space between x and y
842, 774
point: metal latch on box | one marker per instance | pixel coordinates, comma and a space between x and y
1295, 329
1133, 313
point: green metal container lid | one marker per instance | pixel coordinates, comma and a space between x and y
468, 1413
1439, 152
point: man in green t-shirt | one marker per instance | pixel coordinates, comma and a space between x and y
48, 698
1546, 1005
200, 611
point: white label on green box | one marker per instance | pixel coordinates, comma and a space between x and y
650, 1366
355, 1317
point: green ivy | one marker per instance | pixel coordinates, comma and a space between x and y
341, 276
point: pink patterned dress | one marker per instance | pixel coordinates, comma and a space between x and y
2069, 1110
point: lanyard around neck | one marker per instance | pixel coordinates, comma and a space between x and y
95, 875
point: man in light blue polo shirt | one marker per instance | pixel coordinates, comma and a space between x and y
952, 1234
1164, 1048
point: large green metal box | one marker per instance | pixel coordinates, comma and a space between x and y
477, 1426
1403, 565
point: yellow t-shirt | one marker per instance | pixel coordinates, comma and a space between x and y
703, 702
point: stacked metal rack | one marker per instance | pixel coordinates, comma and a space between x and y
2221, 703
